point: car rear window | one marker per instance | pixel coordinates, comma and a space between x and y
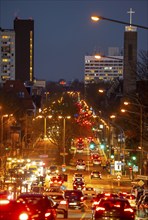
75, 194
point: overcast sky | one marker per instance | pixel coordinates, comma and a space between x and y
64, 32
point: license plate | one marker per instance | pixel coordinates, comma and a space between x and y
72, 203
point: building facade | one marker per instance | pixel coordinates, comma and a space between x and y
24, 49
105, 68
7, 55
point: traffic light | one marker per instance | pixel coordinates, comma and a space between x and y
112, 152
92, 145
102, 146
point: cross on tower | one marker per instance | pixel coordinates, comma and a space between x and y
131, 12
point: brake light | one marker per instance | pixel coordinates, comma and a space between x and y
100, 209
23, 216
128, 210
63, 202
4, 202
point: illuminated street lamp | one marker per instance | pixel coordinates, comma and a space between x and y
45, 123
98, 18
64, 126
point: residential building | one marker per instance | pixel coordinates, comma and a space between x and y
7, 55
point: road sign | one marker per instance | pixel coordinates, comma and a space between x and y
140, 183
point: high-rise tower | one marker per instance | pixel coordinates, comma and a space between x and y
130, 58
24, 49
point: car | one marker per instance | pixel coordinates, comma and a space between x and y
78, 185
113, 208
100, 195
132, 200
97, 161
78, 175
52, 170
79, 149
59, 198
81, 166
41, 206
95, 174
89, 192
56, 181
78, 179
13, 210
75, 199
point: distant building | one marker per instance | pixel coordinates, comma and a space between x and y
24, 49
17, 52
106, 68
7, 55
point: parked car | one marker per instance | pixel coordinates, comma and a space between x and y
41, 206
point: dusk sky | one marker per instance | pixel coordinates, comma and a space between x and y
64, 32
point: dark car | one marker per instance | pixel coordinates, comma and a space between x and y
95, 174
42, 207
101, 195
114, 208
78, 185
75, 199
13, 210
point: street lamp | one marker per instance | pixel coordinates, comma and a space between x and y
64, 126
98, 18
45, 123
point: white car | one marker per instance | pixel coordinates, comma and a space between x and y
59, 198
132, 200
81, 166
89, 192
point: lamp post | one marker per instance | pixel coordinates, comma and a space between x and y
2, 126
98, 18
45, 123
64, 128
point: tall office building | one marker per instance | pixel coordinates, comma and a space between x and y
7, 55
24, 49
106, 68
